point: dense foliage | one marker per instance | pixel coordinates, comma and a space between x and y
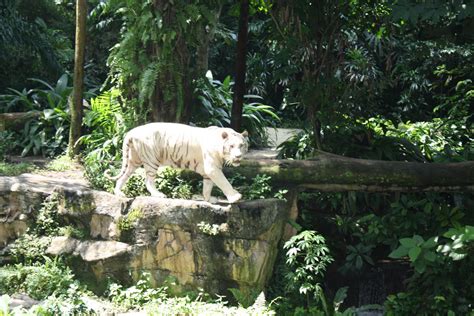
389, 80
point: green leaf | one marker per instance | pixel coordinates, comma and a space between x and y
430, 256
61, 85
369, 260
418, 239
292, 251
398, 253
340, 295
420, 266
413, 253
408, 242
430, 243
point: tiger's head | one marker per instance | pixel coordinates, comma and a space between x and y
235, 146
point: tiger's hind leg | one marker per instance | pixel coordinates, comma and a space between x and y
131, 162
150, 181
207, 185
123, 179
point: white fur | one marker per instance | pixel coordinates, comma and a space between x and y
203, 150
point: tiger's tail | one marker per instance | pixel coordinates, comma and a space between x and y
125, 153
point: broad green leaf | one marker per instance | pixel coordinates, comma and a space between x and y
399, 253
408, 242
369, 260
430, 256
61, 85
340, 295
418, 239
413, 253
430, 243
420, 266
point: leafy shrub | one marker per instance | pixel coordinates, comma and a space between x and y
307, 256
39, 280
106, 122
74, 232
299, 146
68, 303
135, 185
421, 252
134, 296
446, 255
216, 104
168, 181
187, 306
357, 256
48, 221
14, 169
384, 139
128, 221
10, 279
95, 165
259, 187
245, 298
31, 246
8, 144
47, 135
306, 260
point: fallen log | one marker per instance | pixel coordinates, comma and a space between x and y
333, 173
16, 120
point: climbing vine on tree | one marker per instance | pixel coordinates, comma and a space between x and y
163, 48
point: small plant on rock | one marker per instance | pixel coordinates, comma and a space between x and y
129, 221
213, 229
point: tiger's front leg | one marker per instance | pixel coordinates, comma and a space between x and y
150, 182
222, 183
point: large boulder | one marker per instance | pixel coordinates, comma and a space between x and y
198, 244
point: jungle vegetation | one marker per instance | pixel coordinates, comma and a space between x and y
381, 80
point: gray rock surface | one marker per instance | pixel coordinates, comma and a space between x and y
200, 245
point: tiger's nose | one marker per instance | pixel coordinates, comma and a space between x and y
238, 156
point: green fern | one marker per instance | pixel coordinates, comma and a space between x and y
148, 81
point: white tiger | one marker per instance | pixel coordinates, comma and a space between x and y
203, 150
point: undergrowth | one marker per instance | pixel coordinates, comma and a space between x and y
15, 169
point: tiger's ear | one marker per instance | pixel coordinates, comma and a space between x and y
245, 134
224, 135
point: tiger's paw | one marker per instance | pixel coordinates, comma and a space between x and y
210, 199
234, 197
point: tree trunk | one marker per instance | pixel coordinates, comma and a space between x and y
240, 67
76, 104
336, 173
